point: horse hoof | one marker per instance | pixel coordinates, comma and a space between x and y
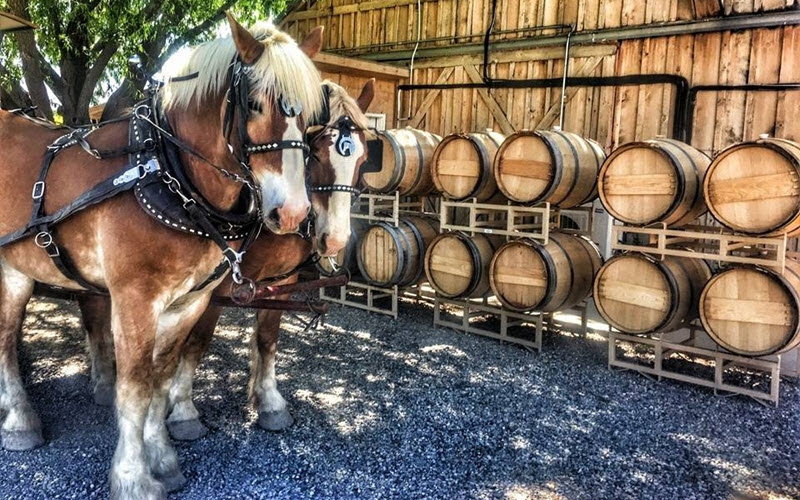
22, 440
187, 430
172, 482
144, 488
104, 395
275, 421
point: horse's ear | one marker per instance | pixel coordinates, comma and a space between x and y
248, 47
313, 42
367, 94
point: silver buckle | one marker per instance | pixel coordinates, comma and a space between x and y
43, 239
38, 190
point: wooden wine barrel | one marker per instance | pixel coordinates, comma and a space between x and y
389, 255
754, 187
659, 180
636, 293
462, 165
346, 258
553, 166
406, 163
753, 311
457, 265
526, 275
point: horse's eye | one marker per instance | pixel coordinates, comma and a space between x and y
254, 106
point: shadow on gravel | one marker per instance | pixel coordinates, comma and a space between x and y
397, 409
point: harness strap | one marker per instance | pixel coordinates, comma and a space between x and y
278, 145
44, 239
121, 181
223, 266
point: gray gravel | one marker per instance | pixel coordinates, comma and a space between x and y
397, 409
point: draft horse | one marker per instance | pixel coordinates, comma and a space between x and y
338, 150
210, 158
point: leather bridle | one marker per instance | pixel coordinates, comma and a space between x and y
238, 103
345, 146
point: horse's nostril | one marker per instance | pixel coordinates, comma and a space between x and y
274, 217
323, 243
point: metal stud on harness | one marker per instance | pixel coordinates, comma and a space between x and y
345, 146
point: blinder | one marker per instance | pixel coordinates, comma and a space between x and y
345, 146
238, 100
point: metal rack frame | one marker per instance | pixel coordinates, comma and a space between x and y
361, 295
722, 362
533, 324
706, 242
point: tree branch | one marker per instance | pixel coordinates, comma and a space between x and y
95, 72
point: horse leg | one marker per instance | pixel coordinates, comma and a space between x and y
21, 428
272, 412
96, 316
174, 327
134, 323
184, 420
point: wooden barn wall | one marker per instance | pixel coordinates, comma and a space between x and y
614, 116
385, 92
351, 24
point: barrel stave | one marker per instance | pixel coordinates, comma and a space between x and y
462, 165
639, 294
393, 255
548, 166
754, 187
526, 275
655, 181
753, 311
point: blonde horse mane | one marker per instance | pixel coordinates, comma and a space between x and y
282, 70
343, 104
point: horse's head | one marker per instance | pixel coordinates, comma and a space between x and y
281, 77
339, 148
265, 89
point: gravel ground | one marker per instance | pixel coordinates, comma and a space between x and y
398, 409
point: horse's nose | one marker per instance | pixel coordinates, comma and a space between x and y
292, 214
331, 244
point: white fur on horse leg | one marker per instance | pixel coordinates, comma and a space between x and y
130, 476
161, 457
184, 420
273, 414
21, 428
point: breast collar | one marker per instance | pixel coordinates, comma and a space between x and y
167, 193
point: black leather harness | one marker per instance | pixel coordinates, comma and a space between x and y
160, 183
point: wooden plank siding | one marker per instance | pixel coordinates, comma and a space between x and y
352, 24
610, 115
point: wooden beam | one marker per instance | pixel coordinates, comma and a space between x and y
430, 97
490, 101
349, 9
537, 54
325, 61
586, 69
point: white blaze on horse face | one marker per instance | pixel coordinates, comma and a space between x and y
333, 224
286, 193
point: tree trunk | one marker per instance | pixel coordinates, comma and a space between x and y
121, 100
34, 79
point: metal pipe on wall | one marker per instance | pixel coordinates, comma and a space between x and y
680, 83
